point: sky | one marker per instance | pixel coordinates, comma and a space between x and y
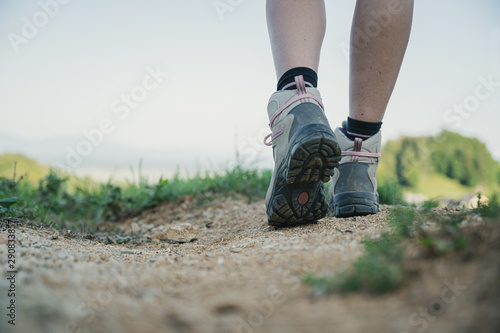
94, 87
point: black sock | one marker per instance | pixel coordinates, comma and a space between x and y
361, 129
289, 77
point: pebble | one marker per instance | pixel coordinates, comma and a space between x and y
159, 261
182, 233
135, 227
148, 227
3, 238
54, 235
158, 235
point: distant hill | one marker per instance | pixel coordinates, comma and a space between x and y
448, 161
30, 169
32, 172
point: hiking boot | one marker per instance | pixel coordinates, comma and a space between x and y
353, 190
305, 154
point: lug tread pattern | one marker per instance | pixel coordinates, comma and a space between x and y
309, 163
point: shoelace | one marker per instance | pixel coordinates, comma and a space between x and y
356, 153
302, 96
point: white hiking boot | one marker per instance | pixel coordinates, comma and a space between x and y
305, 154
353, 190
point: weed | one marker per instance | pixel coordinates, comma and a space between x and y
50, 189
154, 197
378, 270
111, 202
435, 246
460, 243
491, 209
390, 192
428, 205
401, 220
5, 205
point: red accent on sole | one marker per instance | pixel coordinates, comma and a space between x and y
303, 198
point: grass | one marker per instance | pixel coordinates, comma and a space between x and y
428, 205
381, 267
51, 201
390, 192
377, 271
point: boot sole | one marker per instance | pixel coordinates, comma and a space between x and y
350, 204
298, 193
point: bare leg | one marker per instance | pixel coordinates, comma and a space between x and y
305, 149
296, 29
379, 36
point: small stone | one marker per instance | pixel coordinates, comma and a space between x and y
475, 202
103, 257
220, 261
155, 259
135, 227
159, 235
182, 233
3, 238
161, 261
54, 235
149, 227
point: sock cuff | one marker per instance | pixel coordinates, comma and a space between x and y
289, 76
361, 129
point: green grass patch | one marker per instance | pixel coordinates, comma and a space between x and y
52, 201
430, 204
390, 192
380, 268
402, 222
377, 271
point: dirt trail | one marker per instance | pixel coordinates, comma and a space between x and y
239, 276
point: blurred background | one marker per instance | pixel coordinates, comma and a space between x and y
97, 87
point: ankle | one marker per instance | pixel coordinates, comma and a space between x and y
361, 129
286, 82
